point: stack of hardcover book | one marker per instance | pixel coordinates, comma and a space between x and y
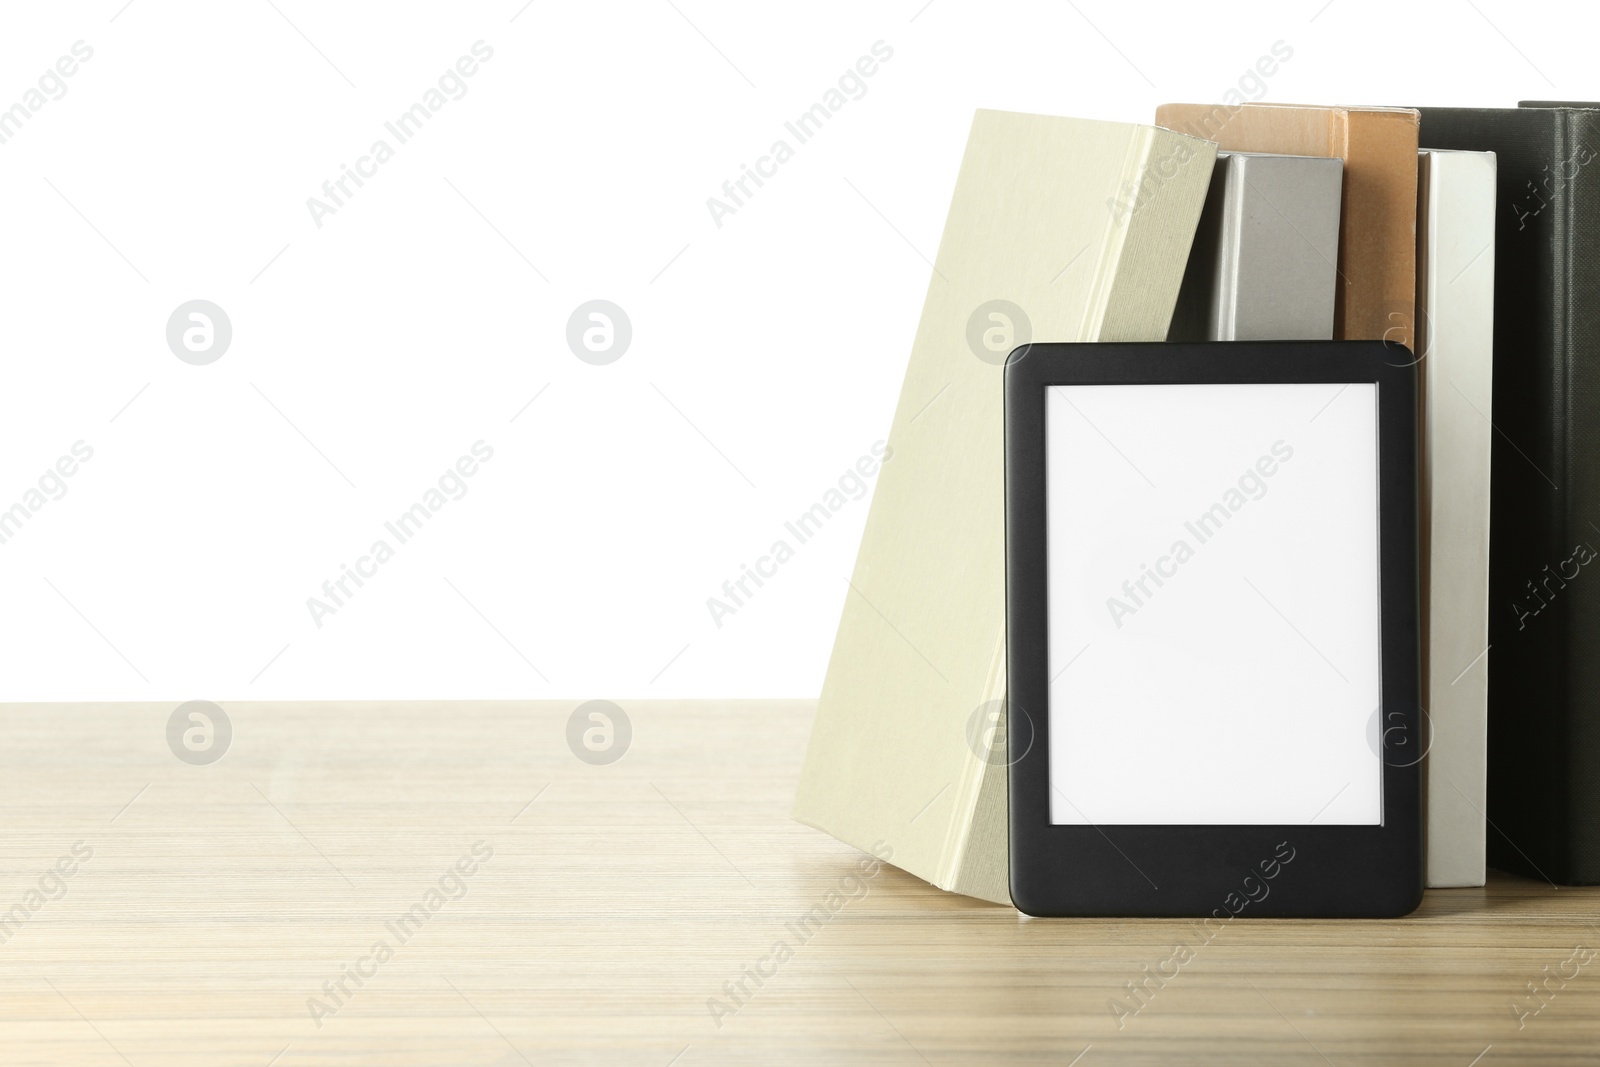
1469, 236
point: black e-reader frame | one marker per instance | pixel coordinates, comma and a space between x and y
1306, 870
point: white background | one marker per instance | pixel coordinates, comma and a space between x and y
1243, 688
367, 355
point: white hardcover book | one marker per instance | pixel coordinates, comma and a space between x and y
1062, 230
1455, 345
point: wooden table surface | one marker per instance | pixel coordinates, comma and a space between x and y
212, 912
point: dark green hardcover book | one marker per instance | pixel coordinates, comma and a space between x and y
1544, 555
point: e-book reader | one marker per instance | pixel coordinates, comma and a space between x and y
1212, 629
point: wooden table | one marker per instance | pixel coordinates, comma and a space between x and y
623, 905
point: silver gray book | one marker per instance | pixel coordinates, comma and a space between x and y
1263, 266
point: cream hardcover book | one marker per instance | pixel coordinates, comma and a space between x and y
1059, 230
1455, 341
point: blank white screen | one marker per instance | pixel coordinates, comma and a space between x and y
1224, 671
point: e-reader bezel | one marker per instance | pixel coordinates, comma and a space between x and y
1207, 871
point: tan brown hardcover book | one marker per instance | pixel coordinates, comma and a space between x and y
1377, 291
1059, 230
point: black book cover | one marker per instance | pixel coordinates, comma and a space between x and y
1544, 565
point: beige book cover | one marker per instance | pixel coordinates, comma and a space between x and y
1059, 229
1455, 342
1376, 298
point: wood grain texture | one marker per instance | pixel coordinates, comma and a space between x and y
618, 901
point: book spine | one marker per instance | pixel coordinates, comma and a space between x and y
1575, 409
1178, 170
1224, 324
1532, 587
1456, 214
